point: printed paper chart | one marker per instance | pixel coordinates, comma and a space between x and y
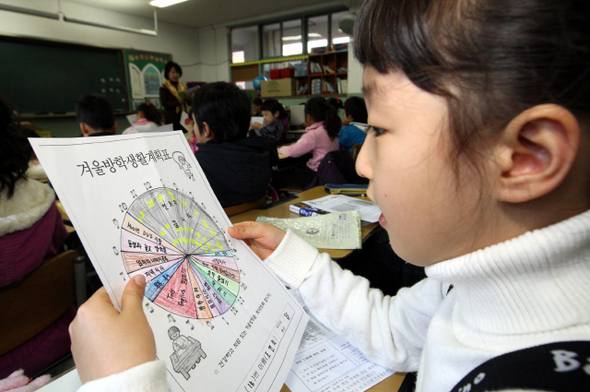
189, 268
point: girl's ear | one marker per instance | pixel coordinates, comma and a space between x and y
535, 153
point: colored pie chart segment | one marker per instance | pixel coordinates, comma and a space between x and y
189, 267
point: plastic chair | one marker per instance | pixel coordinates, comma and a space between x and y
31, 305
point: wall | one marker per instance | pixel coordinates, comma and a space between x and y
181, 42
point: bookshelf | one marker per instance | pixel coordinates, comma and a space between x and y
327, 73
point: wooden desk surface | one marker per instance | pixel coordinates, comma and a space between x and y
282, 211
390, 384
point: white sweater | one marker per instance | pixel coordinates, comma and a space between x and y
527, 291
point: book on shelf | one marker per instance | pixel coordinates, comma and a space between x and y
315, 67
302, 89
342, 69
328, 69
328, 87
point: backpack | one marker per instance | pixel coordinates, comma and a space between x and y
561, 366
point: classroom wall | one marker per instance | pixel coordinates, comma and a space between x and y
203, 53
181, 42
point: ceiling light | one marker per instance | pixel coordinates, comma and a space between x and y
165, 3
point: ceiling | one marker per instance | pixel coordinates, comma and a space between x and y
200, 13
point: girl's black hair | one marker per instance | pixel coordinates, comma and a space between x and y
336, 102
168, 67
273, 106
320, 110
491, 59
150, 112
225, 108
356, 107
15, 150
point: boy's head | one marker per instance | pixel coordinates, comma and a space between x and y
257, 104
271, 110
221, 112
355, 110
94, 114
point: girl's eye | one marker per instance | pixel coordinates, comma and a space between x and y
378, 131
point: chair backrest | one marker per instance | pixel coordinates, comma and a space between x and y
31, 305
238, 209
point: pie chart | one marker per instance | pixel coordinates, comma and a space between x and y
189, 267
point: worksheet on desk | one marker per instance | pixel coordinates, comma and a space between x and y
142, 205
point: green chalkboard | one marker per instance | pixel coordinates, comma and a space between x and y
41, 77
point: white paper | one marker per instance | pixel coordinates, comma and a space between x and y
325, 362
140, 203
258, 119
370, 211
331, 231
131, 118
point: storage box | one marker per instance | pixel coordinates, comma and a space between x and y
275, 73
277, 88
287, 73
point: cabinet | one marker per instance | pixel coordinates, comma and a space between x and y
326, 74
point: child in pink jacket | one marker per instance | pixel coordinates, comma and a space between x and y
320, 138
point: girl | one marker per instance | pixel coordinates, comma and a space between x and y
478, 157
148, 117
321, 137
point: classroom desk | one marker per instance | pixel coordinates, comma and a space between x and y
390, 384
282, 211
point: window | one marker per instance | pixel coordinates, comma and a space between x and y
244, 44
317, 32
292, 37
338, 37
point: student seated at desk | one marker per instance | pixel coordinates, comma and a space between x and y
321, 137
355, 110
478, 156
148, 117
95, 116
272, 112
238, 168
31, 232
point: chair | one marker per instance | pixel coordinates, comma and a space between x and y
238, 209
31, 305
354, 150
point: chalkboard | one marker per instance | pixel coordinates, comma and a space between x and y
41, 77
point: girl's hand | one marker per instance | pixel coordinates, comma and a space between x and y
104, 341
262, 238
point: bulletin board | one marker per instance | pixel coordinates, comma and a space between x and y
145, 73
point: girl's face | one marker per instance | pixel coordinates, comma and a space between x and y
173, 74
428, 215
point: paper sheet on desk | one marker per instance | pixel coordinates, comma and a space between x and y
331, 231
325, 362
336, 203
141, 204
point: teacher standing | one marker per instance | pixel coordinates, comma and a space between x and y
171, 96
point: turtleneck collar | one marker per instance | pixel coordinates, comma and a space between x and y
538, 281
